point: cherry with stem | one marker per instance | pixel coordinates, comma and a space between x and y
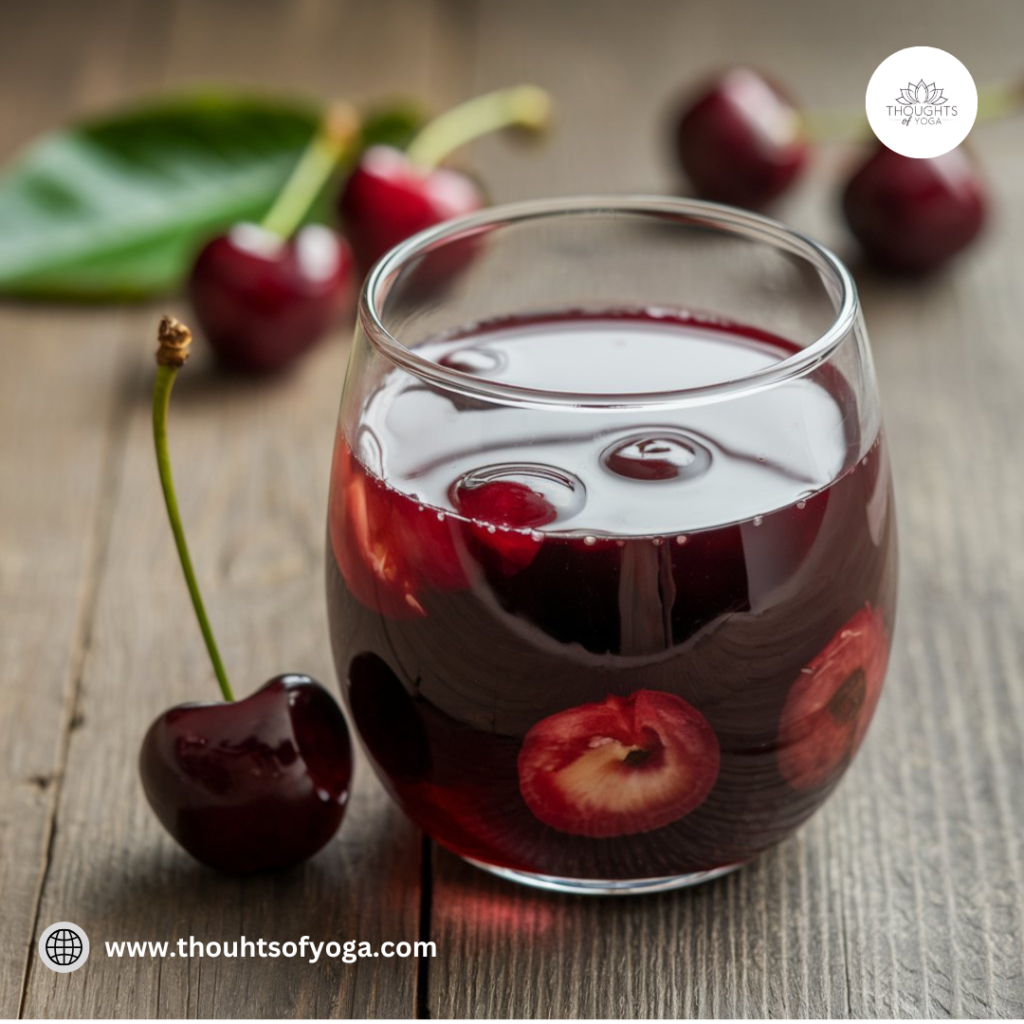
242, 785
264, 294
391, 195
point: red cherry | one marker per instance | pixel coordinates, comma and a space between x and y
507, 503
387, 200
255, 784
388, 548
831, 703
741, 141
262, 301
629, 764
913, 215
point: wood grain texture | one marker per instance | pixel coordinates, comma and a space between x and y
60, 374
904, 897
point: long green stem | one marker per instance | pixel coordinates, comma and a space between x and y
174, 342
334, 137
522, 106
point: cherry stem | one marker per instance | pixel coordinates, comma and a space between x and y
333, 139
175, 338
1000, 101
522, 106
835, 125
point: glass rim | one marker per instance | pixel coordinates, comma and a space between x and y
740, 223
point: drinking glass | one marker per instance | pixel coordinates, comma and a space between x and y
611, 546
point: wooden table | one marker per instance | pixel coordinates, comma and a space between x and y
903, 897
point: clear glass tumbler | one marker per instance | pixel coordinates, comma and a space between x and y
611, 550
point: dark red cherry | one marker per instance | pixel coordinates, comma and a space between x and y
912, 215
254, 784
741, 141
387, 199
263, 301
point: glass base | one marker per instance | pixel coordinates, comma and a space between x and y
599, 887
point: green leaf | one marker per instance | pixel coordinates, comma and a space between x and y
116, 208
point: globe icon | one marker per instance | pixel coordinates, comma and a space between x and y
64, 947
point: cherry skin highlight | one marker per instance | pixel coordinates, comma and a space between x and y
263, 301
387, 199
255, 784
741, 141
910, 215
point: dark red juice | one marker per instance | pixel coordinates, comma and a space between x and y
611, 644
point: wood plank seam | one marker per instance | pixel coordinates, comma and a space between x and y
422, 994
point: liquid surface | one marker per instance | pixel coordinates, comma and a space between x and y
618, 473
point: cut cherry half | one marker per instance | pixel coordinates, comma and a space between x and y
831, 703
389, 548
625, 765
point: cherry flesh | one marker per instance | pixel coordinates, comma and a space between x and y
741, 140
830, 705
263, 301
912, 215
387, 199
624, 765
255, 784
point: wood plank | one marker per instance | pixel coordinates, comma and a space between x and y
59, 389
253, 466
56, 420
903, 897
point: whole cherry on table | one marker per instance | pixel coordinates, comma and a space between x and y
391, 195
242, 785
264, 294
741, 139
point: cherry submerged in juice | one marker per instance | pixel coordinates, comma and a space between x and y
611, 645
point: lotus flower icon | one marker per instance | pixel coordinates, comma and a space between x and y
920, 93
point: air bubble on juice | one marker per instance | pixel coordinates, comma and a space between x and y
562, 491
682, 539
657, 541
657, 454
758, 520
590, 541
801, 504
478, 361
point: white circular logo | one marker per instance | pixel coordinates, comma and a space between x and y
921, 102
64, 947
